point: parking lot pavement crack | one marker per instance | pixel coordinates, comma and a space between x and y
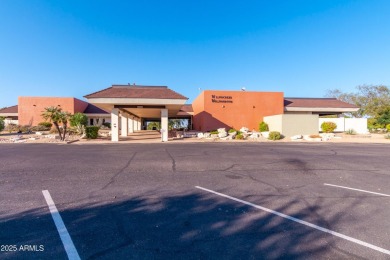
229, 168
280, 191
173, 160
112, 179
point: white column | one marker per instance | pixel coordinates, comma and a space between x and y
115, 125
124, 125
131, 125
135, 122
139, 124
164, 125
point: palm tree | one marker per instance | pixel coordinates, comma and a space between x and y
57, 116
64, 116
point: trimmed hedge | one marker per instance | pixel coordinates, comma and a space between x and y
328, 127
274, 135
91, 132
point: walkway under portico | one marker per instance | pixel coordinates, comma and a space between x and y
130, 104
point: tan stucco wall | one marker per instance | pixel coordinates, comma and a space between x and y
274, 123
293, 124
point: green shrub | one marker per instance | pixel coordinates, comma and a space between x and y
372, 124
2, 124
11, 128
388, 128
384, 117
350, 132
239, 137
39, 128
213, 132
232, 130
24, 128
91, 132
46, 124
274, 135
107, 124
328, 127
78, 119
263, 127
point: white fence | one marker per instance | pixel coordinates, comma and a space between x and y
359, 125
10, 121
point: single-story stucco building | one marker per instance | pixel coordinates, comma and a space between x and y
130, 107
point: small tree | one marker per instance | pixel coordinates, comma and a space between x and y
57, 117
80, 121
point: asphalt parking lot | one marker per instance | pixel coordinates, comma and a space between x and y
195, 201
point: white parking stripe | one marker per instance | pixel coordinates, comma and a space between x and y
354, 240
376, 193
65, 237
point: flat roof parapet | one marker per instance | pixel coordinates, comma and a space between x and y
136, 86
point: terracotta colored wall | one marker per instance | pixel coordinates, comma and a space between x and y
198, 107
30, 108
236, 110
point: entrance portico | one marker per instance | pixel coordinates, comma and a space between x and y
129, 104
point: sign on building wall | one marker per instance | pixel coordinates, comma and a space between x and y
221, 99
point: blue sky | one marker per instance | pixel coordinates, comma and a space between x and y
300, 47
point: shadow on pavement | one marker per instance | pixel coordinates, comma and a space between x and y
187, 226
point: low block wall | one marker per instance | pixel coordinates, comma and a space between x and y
293, 124
359, 125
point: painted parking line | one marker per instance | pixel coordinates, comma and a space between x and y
354, 240
65, 237
376, 193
